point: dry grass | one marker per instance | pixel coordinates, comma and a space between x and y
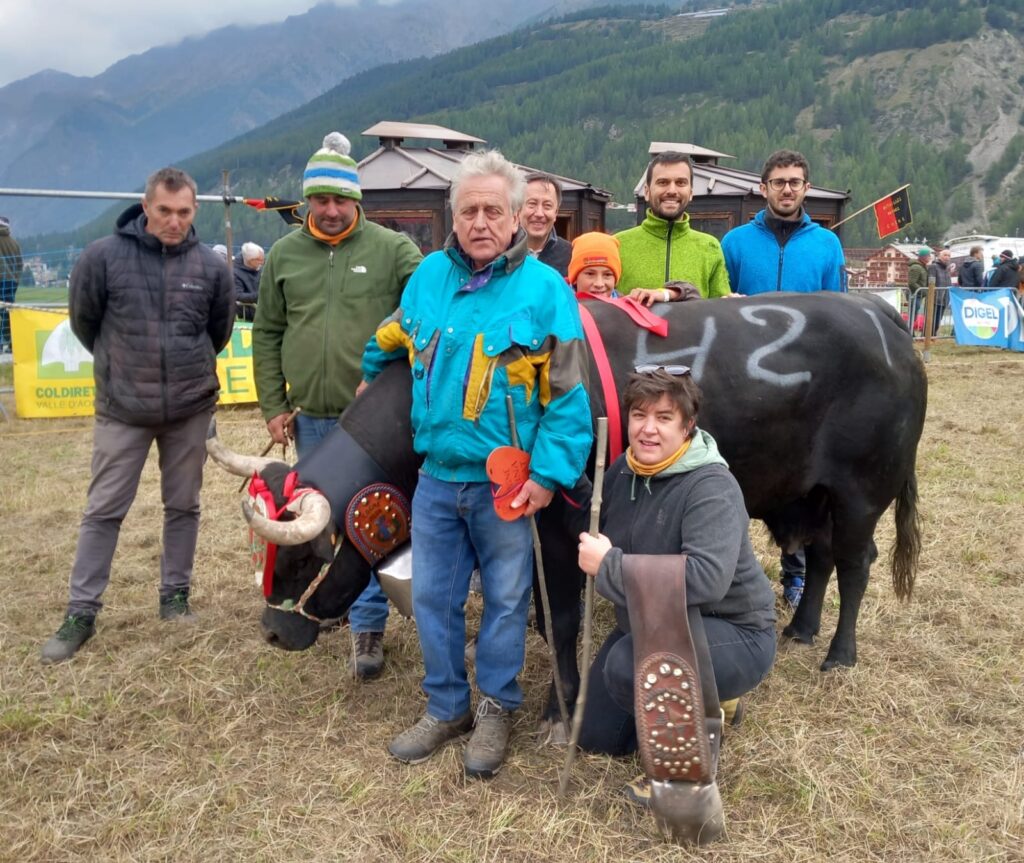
170, 742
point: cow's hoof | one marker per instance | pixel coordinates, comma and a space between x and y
798, 635
831, 664
551, 732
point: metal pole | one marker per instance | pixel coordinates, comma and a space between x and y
227, 224
113, 196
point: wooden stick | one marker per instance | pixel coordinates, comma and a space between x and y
549, 633
929, 318
588, 609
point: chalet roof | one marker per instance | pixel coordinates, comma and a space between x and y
393, 166
698, 154
715, 180
389, 130
909, 249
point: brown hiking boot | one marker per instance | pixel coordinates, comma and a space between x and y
368, 648
418, 743
485, 752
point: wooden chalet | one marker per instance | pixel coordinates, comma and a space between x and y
724, 198
406, 188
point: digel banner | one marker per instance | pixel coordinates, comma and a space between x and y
53, 371
991, 318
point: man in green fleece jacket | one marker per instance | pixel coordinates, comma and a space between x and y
664, 248
323, 290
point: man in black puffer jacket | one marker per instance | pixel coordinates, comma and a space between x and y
155, 307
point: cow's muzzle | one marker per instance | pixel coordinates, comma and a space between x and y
288, 631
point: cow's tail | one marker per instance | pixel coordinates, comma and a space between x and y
907, 548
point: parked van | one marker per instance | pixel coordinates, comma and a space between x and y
960, 247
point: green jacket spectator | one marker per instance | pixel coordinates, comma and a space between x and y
652, 256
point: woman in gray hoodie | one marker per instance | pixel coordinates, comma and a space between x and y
671, 493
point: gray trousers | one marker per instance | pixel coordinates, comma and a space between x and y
119, 453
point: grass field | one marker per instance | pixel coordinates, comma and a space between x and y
169, 742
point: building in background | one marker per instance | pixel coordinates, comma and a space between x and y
405, 187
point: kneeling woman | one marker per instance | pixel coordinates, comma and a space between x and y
672, 494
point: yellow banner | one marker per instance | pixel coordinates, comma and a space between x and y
53, 371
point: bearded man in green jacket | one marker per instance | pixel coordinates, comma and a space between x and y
664, 248
323, 290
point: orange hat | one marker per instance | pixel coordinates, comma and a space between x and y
595, 250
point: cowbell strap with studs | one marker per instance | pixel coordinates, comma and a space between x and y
673, 698
377, 520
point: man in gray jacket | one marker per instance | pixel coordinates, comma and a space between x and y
154, 306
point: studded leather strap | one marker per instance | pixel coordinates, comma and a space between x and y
673, 700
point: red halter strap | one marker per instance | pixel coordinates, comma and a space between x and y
608, 389
259, 489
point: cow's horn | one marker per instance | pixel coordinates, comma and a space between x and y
312, 514
231, 461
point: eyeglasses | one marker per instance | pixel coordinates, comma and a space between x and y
778, 184
675, 371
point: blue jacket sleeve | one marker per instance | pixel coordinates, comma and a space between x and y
565, 435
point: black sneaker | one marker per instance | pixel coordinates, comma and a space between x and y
64, 643
175, 607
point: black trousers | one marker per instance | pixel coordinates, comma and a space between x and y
741, 658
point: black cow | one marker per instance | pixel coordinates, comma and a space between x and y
816, 400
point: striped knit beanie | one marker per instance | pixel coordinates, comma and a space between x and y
331, 170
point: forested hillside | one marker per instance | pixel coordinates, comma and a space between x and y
877, 93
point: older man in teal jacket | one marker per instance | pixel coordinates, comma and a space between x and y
480, 320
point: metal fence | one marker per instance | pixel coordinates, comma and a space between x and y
913, 307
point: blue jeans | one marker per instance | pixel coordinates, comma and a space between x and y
369, 613
453, 526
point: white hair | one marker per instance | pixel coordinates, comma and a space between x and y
251, 251
221, 250
488, 163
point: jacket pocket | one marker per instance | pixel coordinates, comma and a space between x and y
424, 345
506, 347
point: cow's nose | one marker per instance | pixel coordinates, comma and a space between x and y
271, 637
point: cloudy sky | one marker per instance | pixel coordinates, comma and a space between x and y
84, 38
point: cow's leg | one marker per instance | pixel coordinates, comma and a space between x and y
807, 618
564, 584
855, 551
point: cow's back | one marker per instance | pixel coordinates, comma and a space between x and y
800, 390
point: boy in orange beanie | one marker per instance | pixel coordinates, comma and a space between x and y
595, 267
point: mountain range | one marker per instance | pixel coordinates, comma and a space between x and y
877, 93
59, 131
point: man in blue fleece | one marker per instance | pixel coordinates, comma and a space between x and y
781, 249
